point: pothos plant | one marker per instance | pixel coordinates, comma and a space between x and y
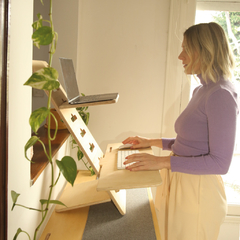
45, 79
82, 111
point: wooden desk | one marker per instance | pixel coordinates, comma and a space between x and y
110, 185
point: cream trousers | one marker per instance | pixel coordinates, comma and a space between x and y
191, 207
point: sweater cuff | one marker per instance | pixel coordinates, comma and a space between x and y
167, 143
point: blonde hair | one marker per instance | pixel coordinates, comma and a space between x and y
210, 43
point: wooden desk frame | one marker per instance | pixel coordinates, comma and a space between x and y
110, 183
84, 194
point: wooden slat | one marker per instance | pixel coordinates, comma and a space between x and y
75, 125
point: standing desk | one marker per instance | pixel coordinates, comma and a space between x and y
110, 183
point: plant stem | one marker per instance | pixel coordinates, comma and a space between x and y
49, 133
44, 148
51, 25
19, 205
49, 124
52, 169
27, 234
85, 164
57, 179
56, 129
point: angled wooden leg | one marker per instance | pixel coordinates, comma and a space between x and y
85, 194
119, 199
81, 195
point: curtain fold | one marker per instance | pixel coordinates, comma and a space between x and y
177, 86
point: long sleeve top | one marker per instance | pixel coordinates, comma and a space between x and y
206, 130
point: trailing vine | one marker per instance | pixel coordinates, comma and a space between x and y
45, 79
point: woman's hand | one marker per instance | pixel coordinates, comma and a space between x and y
138, 142
145, 161
142, 142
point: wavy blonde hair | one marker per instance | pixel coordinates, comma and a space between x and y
210, 43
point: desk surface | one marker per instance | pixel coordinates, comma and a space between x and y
113, 179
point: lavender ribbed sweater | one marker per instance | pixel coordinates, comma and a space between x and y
206, 130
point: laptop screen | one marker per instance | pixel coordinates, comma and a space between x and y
69, 78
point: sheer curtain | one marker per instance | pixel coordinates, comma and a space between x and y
177, 86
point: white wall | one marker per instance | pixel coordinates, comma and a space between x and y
116, 46
19, 105
122, 48
65, 19
20, 69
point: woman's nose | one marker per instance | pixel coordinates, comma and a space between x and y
180, 57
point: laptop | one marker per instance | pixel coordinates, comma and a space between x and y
71, 86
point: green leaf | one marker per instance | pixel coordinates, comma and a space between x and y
14, 198
80, 155
91, 170
37, 117
17, 233
68, 167
37, 24
29, 144
74, 141
44, 201
43, 36
85, 117
79, 109
45, 78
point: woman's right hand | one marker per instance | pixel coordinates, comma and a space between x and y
138, 142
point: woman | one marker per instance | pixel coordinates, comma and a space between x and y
191, 201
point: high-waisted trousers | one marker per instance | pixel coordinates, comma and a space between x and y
190, 207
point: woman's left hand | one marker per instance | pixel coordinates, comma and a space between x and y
145, 161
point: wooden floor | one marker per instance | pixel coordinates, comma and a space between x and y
71, 224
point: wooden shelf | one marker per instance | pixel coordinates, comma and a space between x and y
39, 158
